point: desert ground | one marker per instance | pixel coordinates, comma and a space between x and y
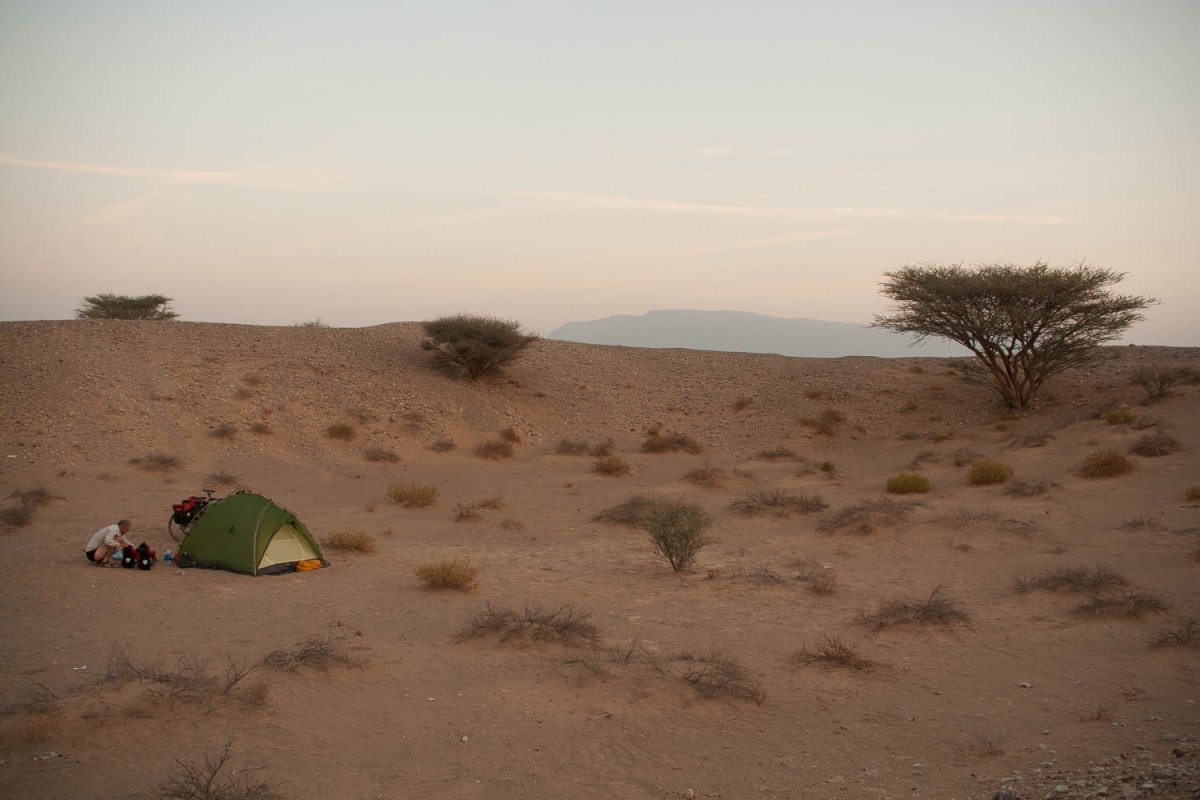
359, 682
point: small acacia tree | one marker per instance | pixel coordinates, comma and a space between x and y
1023, 324
475, 346
119, 306
678, 532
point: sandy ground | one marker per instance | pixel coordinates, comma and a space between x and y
109, 678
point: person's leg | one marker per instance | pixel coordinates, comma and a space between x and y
100, 554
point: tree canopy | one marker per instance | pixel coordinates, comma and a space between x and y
117, 306
1023, 323
475, 346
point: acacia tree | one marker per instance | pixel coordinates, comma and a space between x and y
1023, 324
475, 346
119, 306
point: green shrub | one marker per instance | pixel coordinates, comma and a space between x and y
612, 466
474, 346
986, 472
1119, 416
908, 483
413, 495
342, 431
1105, 464
678, 532
454, 574
119, 306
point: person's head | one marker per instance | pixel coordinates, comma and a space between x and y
125, 526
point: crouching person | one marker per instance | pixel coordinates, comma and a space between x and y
106, 541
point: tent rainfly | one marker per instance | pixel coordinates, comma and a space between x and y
248, 533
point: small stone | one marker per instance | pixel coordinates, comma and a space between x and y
1025, 685
690, 794
1061, 788
465, 738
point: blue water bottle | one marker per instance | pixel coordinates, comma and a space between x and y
167, 557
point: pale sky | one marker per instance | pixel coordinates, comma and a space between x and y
559, 160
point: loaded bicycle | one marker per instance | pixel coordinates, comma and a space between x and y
185, 513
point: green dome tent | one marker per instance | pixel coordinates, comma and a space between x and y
246, 532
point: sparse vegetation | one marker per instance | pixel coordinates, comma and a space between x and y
209, 779
817, 580
475, 346
495, 449
1031, 488
717, 674
157, 462
678, 532
443, 445
223, 431
342, 431
987, 471
1081, 580
825, 423
381, 455
1157, 381
413, 495
865, 516
832, 651
828, 467
1131, 605
633, 512
612, 466
350, 542
743, 402
908, 482
571, 447
1155, 445
222, 478
937, 609
1105, 464
25, 503
672, 442
454, 574
558, 624
776, 502
119, 306
317, 652
312, 323
1023, 324
261, 428
1119, 416
777, 454
1192, 493
1184, 633
467, 512
510, 434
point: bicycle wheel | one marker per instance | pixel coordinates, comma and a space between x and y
175, 530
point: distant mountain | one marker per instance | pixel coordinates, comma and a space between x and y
743, 332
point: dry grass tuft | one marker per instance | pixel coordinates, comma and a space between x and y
571, 447
987, 472
261, 428
908, 482
225, 431
1192, 493
380, 455
742, 403
316, 652
1082, 580
777, 503
1031, 488
413, 495
157, 462
223, 478
633, 512
443, 445
1185, 633
718, 675
777, 454
496, 450
1105, 464
350, 542
510, 434
866, 516
453, 574
825, 423
1131, 605
834, 652
467, 512
937, 609
612, 466
1119, 416
672, 442
341, 431
1155, 445
559, 624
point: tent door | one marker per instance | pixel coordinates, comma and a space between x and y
287, 545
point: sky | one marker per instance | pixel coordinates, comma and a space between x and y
559, 160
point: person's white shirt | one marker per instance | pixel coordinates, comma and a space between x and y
110, 535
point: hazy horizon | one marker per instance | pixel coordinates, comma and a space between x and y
557, 161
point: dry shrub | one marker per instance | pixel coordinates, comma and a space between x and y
453, 574
763, 574
222, 478
986, 472
413, 495
777, 503
243, 393
828, 467
350, 542
718, 675
1119, 416
825, 423
317, 652
1105, 464
633, 512
1158, 381
1158, 444
866, 516
208, 779
380, 455
908, 482
252, 379
1131, 605
819, 581
707, 477
612, 466
342, 431
742, 403
512, 524
157, 462
495, 450
1183, 634
1031, 488
571, 447
1192, 493
190, 679
510, 434
1143, 522
26, 502
443, 445
831, 650
493, 502
672, 442
678, 531
261, 428
777, 454
223, 431
937, 609
467, 512
1083, 580
559, 624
